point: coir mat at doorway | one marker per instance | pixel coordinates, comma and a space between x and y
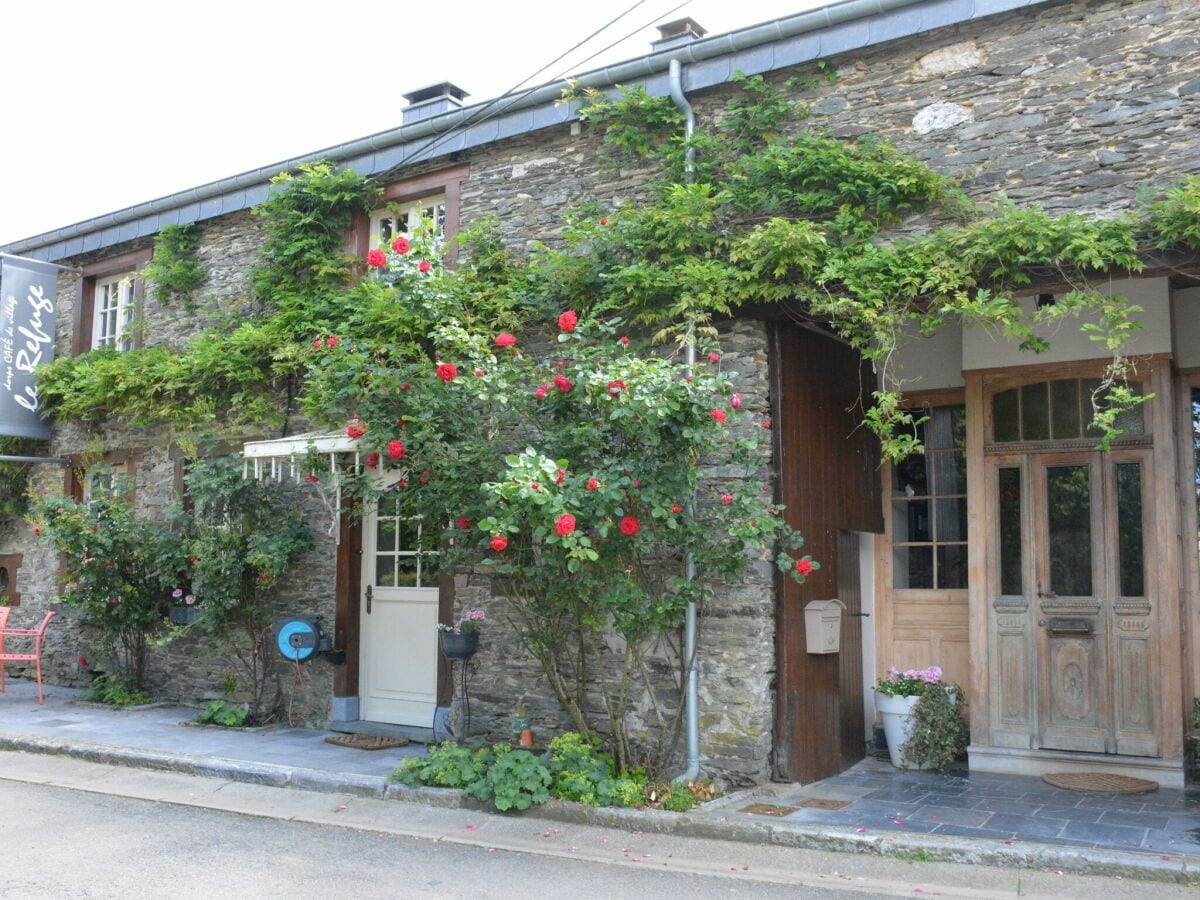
367, 741
1099, 783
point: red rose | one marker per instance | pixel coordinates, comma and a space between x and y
767, 425
637, 482
403, 483
464, 523
372, 460
355, 428
447, 371
263, 576
38, 532
193, 559
714, 358
804, 567
564, 525
592, 484
499, 542
317, 343
604, 220
423, 266
333, 341
615, 387
313, 479
624, 340
727, 499
559, 476
83, 662
395, 450
536, 485
736, 401
540, 393
377, 259
479, 373
630, 526
567, 321
504, 339
676, 508
424, 477
404, 387
563, 383
718, 416
401, 245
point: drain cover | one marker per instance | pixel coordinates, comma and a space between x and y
822, 803
766, 809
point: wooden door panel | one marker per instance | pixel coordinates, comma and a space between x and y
1073, 714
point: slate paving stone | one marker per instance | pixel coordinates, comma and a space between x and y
818, 817
1025, 825
1137, 820
955, 801
1013, 807
951, 815
888, 808
1074, 813
1105, 835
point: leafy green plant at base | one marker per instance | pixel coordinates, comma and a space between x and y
583, 773
939, 733
516, 779
447, 765
111, 691
677, 798
219, 712
174, 272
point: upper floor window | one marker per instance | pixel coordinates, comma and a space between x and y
397, 219
112, 322
107, 299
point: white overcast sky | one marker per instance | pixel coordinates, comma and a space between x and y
111, 103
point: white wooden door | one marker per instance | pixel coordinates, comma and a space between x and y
399, 614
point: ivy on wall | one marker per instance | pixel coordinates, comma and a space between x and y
775, 214
174, 272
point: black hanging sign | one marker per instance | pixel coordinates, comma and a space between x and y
28, 304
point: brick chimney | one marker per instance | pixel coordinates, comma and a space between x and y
427, 102
677, 33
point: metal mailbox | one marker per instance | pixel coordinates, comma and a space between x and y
823, 625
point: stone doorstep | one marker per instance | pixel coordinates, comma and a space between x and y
705, 823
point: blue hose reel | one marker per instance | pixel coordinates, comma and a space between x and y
299, 638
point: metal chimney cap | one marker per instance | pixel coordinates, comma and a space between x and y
680, 28
445, 89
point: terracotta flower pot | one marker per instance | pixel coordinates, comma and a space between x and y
526, 739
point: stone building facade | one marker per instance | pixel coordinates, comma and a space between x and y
1069, 104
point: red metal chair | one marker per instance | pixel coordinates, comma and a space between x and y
36, 634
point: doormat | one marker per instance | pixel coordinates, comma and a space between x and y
367, 741
1100, 783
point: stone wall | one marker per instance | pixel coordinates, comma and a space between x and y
1069, 104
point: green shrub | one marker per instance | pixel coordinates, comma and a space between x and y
222, 713
516, 780
939, 731
447, 765
112, 691
679, 799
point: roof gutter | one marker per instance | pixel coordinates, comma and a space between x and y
653, 64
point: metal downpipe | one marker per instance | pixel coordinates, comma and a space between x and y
691, 623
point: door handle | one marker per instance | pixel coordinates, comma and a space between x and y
860, 615
370, 597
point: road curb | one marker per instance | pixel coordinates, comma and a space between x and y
923, 848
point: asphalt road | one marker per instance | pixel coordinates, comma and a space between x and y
60, 843
76, 829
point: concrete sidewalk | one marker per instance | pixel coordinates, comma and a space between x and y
153, 738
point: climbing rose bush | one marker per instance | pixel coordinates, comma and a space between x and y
576, 469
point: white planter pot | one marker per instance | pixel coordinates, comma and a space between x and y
896, 713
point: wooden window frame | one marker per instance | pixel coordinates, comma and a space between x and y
83, 321
444, 183
75, 477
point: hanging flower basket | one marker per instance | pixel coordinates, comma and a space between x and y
459, 646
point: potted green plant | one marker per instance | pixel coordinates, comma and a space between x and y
896, 698
461, 640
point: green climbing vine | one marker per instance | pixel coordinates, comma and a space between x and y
174, 272
777, 212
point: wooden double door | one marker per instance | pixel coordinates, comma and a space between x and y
1073, 587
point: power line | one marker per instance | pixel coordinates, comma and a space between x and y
480, 117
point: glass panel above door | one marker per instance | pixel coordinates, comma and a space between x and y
1060, 410
1069, 528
